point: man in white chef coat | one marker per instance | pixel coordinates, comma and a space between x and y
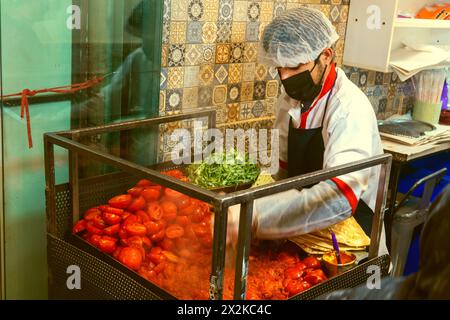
324, 121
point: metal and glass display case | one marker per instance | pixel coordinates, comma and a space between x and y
104, 277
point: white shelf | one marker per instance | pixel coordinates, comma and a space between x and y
421, 23
374, 31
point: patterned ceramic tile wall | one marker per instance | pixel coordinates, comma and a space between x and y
385, 91
210, 58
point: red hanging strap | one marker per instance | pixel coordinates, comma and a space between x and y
25, 109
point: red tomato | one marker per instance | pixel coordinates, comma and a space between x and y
135, 241
135, 191
160, 267
186, 211
167, 244
152, 227
182, 221
131, 257
294, 287
79, 226
201, 230
301, 266
91, 228
183, 202
139, 242
137, 204
147, 243
130, 219
287, 258
107, 244
143, 183
159, 236
143, 216
111, 218
174, 231
122, 233
135, 229
173, 195
189, 232
175, 173
206, 240
162, 223
95, 239
305, 285
207, 222
143, 273
91, 214
316, 276
320, 273
121, 201
119, 212
197, 214
170, 256
169, 210
156, 250
155, 255
125, 215
185, 253
117, 252
154, 211
182, 243
99, 222
152, 276
152, 193
293, 273
311, 262
112, 230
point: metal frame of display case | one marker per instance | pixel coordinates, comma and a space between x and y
220, 202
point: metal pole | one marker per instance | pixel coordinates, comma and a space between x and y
131, 167
128, 125
380, 204
243, 246
395, 174
74, 181
301, 181
50, 193
218, 258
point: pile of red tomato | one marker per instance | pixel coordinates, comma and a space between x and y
277, 275
166, 237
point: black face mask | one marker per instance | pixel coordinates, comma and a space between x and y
302, 87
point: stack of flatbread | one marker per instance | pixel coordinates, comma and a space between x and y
349, 234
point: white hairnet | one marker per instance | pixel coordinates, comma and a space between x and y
297, 36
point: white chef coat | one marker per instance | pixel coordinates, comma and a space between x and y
350, 133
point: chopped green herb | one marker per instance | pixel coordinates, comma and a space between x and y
223, 170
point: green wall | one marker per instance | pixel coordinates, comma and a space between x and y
36, 53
